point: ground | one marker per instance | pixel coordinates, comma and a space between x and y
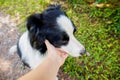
11, 66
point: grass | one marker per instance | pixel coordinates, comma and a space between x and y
98, 28
22, 8
101, 39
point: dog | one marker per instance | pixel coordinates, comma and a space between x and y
54, 25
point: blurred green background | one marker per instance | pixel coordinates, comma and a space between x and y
98, 28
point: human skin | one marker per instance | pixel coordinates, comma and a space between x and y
48, 69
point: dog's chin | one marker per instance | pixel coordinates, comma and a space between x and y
74, 55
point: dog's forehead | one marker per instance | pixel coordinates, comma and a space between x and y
50, 16
53, 12
65, 23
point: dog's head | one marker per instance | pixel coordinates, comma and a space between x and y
53, 25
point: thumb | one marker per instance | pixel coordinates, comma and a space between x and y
48, 44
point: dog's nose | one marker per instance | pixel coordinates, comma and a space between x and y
83, 51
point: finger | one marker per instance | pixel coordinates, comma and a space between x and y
48, 44
65, 56
61, 51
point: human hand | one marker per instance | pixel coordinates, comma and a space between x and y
57, 55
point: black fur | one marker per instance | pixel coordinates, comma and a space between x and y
43, 26
18, 50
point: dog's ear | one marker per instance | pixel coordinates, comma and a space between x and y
34, 21
34, 25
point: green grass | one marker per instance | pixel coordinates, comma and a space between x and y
97, 28
101, 39
23, 7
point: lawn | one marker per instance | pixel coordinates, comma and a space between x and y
98, 28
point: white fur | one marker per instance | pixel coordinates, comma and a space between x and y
74, 48
30, 55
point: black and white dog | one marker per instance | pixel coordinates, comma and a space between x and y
53, 25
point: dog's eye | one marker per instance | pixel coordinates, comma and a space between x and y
65, 40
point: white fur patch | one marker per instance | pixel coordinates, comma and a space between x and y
31, 56
65, 24
74, 48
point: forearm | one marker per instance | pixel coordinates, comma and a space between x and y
48, 69
45, 71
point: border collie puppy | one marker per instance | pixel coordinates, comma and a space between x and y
53, 25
